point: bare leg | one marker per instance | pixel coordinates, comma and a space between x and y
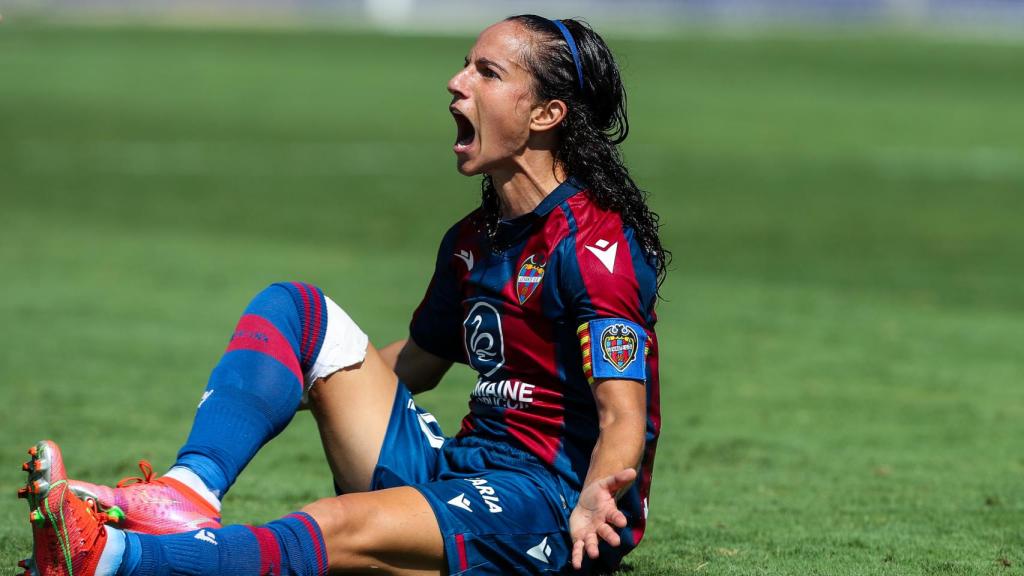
352, 408
391, 531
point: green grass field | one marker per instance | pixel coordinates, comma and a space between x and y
842, 367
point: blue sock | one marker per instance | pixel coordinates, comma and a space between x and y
292, 545
256, 388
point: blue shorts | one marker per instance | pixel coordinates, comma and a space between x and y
500, 510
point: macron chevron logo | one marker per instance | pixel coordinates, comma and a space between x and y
467, 257
541, 551
461, 501
605, 253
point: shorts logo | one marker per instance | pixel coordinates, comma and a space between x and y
530, 275
487, 493
461, 501
541, 551
485, 345
426, 419
618, 345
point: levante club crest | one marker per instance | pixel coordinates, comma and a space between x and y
618, 344
530, 275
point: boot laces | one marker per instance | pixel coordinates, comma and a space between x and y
56, 555
147, 475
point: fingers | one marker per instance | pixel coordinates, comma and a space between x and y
577, 554
620, 479
626, 476
591, 544
618, 519
590, 529
608, 534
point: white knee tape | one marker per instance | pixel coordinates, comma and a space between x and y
344, 345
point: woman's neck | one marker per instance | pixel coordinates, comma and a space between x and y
522, 190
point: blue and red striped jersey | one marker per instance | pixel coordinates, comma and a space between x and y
560, 297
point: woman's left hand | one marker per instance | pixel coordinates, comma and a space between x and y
597, 515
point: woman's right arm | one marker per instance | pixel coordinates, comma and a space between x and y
418, 369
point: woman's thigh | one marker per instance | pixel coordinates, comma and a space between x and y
496, 522
390, 531
352, 408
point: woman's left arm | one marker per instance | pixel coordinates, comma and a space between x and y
622, 412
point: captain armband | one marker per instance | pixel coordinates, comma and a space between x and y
613, 348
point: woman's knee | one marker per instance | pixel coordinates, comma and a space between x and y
324, 336
347, 528
392, 529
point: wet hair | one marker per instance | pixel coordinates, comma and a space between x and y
594, 126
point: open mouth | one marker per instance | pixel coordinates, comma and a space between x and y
465, 132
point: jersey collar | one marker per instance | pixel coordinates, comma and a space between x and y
512, 230
563, 192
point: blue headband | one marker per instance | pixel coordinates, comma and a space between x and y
572, 48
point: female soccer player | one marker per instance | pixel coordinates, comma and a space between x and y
547, 290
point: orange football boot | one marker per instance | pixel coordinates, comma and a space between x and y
67, 534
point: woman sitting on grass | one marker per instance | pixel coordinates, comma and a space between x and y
547, 290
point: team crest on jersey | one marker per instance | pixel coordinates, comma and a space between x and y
530, 275
618, 345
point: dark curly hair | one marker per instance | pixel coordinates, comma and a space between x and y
595, 125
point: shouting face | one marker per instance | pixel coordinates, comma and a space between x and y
493, 101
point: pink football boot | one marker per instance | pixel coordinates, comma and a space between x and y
151, 505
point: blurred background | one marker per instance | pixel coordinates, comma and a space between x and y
451, 15
841, 182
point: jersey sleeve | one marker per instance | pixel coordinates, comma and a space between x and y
436, 324
611, 290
